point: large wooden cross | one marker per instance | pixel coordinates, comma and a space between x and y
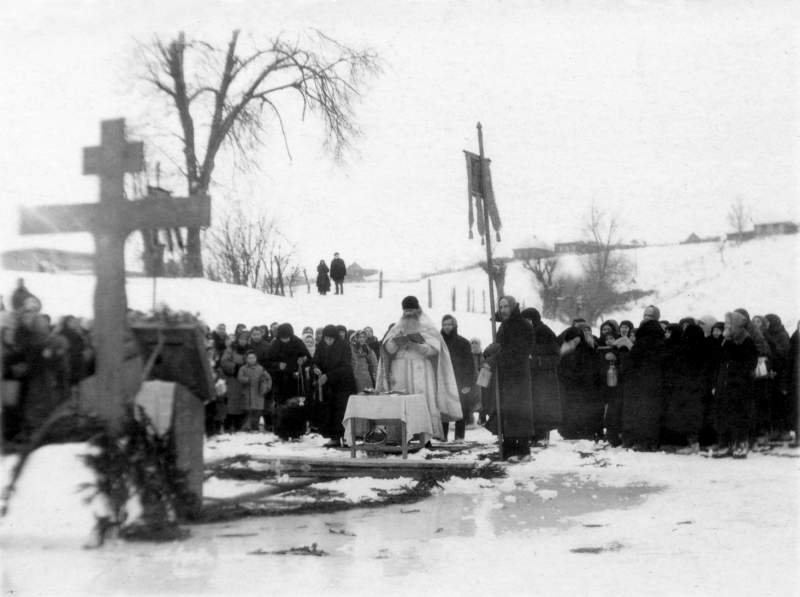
110, 222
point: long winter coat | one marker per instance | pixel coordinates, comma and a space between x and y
463, 366
515, 338
336, 362
323, 281
581, 404
338, 269
232, 361
685, 403
733, 398
545, 358
255, 382
285, 384
641, 369
365, 366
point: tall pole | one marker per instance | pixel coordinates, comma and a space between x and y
490, 268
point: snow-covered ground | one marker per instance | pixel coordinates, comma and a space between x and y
576, 520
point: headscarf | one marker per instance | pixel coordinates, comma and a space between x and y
708, 322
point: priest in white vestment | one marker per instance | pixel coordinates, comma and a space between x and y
420, 368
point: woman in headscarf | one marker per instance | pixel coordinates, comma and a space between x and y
581, 410
778, 340
232, 361
333, 367
684, 407
610, 395
510, 359
365, 363
545, 392
642, 374
323, 280
733, 391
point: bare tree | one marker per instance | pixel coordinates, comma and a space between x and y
544, 271
248, 249
604, 268
228, 93
739, 218
499, 275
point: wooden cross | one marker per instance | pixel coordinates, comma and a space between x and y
110, 222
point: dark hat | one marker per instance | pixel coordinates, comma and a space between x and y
572, 333
628, 323
451, 318
410, 302
285, 330
330, 331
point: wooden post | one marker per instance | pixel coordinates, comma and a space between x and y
467, 299
484, 302
473, 300
308, 284
430, 297
453, 298
380, 284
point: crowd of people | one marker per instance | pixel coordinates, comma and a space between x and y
726, 387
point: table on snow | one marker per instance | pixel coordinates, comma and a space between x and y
409, 410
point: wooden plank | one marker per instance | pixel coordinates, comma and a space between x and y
360, 467
272, 489
126, 216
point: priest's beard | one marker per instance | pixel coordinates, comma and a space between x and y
409, 322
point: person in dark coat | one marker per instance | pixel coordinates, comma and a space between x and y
778, 340
545, 392
713, 351
323, 281
79, 352
338, 273
683, 412
464, 370
610, 395
283, 362
793, 416
581, 409
372, 341
479, 397
510, 358
333, 366
733, 391
259, 345
641, 371
673, 334
218, 336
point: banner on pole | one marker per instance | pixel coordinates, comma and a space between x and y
478, 191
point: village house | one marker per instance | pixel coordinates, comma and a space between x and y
775, 228
356, 273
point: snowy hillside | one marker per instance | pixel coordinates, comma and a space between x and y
760, 276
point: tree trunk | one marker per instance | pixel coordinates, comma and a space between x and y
194, 256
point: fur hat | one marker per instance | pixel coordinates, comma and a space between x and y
410, 302
330, 331
285, 330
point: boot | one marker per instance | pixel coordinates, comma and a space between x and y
740, 450
692, 448
724, 451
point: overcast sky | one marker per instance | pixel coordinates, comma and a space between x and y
662, 111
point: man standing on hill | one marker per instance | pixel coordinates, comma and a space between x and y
464, 370
338, 272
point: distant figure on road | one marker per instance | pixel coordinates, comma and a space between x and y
338, 272
323, 281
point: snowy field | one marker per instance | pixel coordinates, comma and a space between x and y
576, 520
